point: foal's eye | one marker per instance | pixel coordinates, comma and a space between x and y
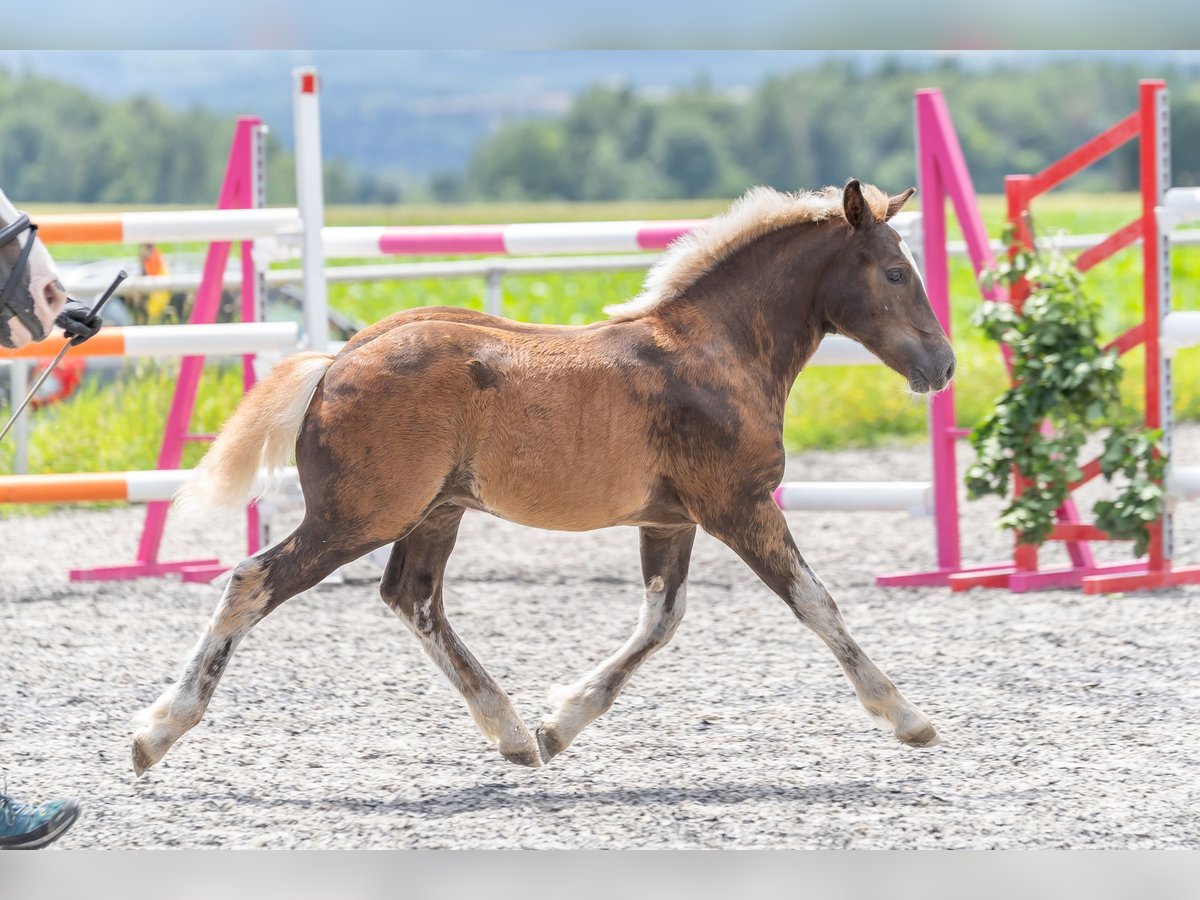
896, 275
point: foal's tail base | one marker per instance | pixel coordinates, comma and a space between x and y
261, 434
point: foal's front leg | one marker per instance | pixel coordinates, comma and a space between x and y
412, 587
257, 586
758, 533
665, 556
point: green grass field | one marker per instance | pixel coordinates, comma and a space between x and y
118, 426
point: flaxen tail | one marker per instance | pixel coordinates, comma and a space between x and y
261, 434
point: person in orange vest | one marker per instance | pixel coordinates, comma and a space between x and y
152, 260
153, 264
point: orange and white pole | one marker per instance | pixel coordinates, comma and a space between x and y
167, 226
98, 487
235, 338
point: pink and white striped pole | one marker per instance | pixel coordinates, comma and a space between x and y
234, 193
541, 238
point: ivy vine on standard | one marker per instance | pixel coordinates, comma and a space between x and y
1061, 377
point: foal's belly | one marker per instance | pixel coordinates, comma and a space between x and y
568, 455
563, 505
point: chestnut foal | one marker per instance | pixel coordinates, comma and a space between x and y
666, 416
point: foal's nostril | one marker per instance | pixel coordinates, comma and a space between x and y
950, 372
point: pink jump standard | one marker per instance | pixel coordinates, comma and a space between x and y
241, 188
944, 173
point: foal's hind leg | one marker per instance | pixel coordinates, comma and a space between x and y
759, 535
412, 587
665, 556
257, 586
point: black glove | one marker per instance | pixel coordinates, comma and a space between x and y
77, 322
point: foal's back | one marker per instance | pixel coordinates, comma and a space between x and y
543, 425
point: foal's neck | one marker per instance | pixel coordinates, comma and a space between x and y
763, 300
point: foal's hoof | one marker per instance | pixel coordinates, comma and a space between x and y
925, 736
518, 746
549, 743
525, 756
143, 758
149, 746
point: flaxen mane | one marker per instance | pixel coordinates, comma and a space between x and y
760, 211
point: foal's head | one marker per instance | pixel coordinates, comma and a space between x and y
873, 293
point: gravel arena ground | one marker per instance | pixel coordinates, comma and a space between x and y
1067, 721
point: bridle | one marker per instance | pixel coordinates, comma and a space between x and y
8, 234
25, 314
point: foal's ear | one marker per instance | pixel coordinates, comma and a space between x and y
858, 213
895, 204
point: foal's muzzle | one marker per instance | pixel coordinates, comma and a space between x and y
933, 371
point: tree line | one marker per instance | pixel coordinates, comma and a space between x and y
818, 127
802, 129
58, 143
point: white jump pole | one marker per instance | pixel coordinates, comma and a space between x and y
1183, 482
912, 497
18, 387
310, 197
1180, 205
1180, 330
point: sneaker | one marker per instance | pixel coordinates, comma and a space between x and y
32, 827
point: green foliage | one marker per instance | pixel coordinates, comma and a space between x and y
823, 125
1061, 376
794, 130
1185, 133
59, 143
537, 151
1139, 458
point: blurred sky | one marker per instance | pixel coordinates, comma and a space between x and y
387, 24
468, 80
189, 76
